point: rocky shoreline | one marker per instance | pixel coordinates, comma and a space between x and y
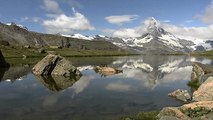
200, 105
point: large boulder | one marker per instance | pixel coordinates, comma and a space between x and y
181, 95
3, 63
202, 110
55, 65
65, 68
199, 70
205, 91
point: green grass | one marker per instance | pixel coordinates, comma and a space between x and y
208, 54
142, 116
194, 84
14, 55
18, 52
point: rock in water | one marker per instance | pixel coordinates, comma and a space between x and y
3, 63
205, 91
199, 70
182, 95
107, 70
55, 65
65, 68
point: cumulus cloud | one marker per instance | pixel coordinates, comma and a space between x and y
52, 6
128, 32
118, 87
166, 21
208, 16
67, 24
192, 33
121, 19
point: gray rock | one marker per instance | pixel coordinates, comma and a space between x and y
199, 70
202, 110
3, 63
55, 65
172, 113
205, 91
181, 95
65, 68
203, 78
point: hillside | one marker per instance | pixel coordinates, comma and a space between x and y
19, 36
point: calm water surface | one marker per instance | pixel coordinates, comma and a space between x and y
143, 86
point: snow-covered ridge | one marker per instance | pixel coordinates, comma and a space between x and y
170, 40
207, 45
85, 37
19, 25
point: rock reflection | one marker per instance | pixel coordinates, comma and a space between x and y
57, 83
13, 73
2, 72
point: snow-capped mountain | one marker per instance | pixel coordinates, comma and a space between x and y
78, 36
207, 45
86, 37
156, 39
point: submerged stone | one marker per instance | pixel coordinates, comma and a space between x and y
181, 95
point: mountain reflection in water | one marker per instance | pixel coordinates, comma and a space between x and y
143, 86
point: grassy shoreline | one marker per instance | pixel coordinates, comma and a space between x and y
207, 54
152, 115
18, 52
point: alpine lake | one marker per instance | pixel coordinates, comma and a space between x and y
143, 85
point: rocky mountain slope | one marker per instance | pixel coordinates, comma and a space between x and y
18, 35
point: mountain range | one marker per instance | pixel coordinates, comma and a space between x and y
154, 40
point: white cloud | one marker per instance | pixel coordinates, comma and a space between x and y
204, 33
36, 19
67, 24
52, 6
191, 33
188, 21
119, 20
118, 87
166, 21
126, 33
208, 16
23, 19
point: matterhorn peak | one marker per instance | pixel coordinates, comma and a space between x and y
151, 23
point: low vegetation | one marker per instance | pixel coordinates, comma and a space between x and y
194, 84
142, 116
22, 52
208, 54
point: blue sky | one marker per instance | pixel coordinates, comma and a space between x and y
106, 16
